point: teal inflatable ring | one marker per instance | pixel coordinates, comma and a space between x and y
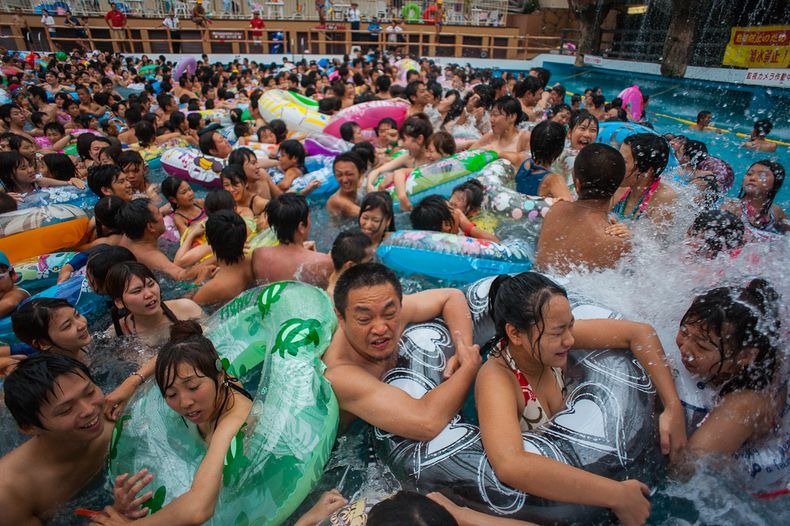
272, 339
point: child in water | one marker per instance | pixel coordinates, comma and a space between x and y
440, 146
416, 132
434, 213
10, 295
186, 209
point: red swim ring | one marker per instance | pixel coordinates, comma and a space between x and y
429, 15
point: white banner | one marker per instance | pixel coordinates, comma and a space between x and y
767, 77
593, 60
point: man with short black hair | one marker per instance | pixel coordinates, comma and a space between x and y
372, 313
54, 400
289, 216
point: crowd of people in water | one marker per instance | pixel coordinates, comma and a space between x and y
729, 337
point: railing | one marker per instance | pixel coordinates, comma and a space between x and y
234, 40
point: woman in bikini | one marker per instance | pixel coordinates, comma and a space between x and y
138, 310
755, 203
186, 209
642, 192
520, 388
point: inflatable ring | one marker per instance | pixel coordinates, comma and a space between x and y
368, 115
192, 166
148, 68
451, 257
632, 102
319, 168
187, 64
60, 195
75, 290
608, 428
442, 176
274, 335
503, 202
279, 104
429, 15
614, 133
323, 144
40, 272
42, 230
411, 13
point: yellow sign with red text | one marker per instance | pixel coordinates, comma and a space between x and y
758, 47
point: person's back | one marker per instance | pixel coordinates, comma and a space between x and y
577, 234
289, 216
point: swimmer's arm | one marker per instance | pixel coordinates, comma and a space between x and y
515, 158
469, 517
479, 143
180, 222
162, 264
364, 396
188, 255
115, 402
16, 509
392, 164
448, 303
554, 186
644, 343
497, 408
167, 136
288, 179
399, 179
728, 426
11, 300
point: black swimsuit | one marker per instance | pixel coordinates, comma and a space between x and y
116, 320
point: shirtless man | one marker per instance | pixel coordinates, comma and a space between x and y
579, 233
215, 144
351, 247
504, 136
419, 96
289, 216
372, 313
529, 92
141, 223
13, 120
53, 398
38, 99
348, 168
87, 104
758, 140
704, 118
226, 233
185, 87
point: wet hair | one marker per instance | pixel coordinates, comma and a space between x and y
763, 127
118, 277
10, 163
600, 169
701, 115
60, 166
696, 151
649, 151
431, 213
105, 211
130, 157
193, 120
386, 120
226, 232
719, 230
363, 275
294, 149
15, 141
30, 322
347, 130
218, 199
598, 101
416, 126
365, 151
443, 142
169, 189
474, 191
235, 174
84, 143
103, 257
7, 203
521, 301
579, 117
33, 383
529, 84
206, 142
187, 345
102, 176
508, 106
350, 245
779, 178
134, 217
351, 157
412, 88
547, 142
379, 201
543, 74
286, 212
58, 127
240, 156
408, 507
279, 129
740, 318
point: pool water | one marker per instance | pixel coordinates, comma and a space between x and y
734, 108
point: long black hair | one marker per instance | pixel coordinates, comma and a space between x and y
741, 318
779, 178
